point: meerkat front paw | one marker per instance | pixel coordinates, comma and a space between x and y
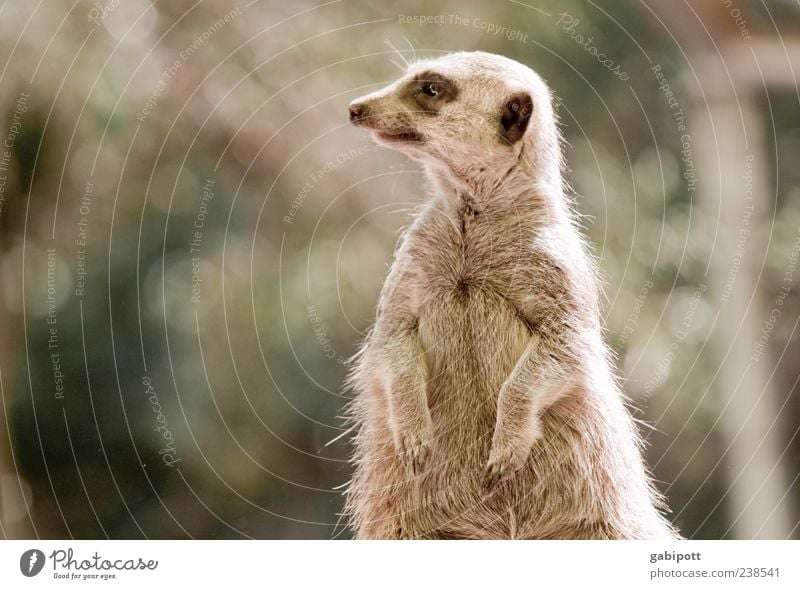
414, 446
508, 455
503, 463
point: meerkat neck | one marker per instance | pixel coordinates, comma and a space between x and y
509, 192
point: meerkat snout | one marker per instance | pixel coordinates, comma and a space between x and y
358, 111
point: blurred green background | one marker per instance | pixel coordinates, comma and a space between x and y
193, 240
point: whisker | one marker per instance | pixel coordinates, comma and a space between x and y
397, 51
411, 45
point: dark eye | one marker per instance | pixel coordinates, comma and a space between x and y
431, 89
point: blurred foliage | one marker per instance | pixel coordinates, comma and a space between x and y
295, 241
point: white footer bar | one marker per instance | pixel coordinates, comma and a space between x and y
405, 565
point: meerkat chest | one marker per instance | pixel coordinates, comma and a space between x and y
461, 281
475, 253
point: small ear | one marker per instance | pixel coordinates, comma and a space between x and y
515, 117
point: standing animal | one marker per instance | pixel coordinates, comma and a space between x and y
485, 403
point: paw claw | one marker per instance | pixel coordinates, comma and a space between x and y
493, 474
415, 450
502, 465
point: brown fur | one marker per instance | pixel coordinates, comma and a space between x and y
485, 404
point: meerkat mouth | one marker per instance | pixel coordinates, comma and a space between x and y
405, 137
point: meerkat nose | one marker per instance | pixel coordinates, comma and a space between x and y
358, 111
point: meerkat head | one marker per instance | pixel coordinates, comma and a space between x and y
475, 114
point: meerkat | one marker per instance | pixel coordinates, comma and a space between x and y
485, 403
